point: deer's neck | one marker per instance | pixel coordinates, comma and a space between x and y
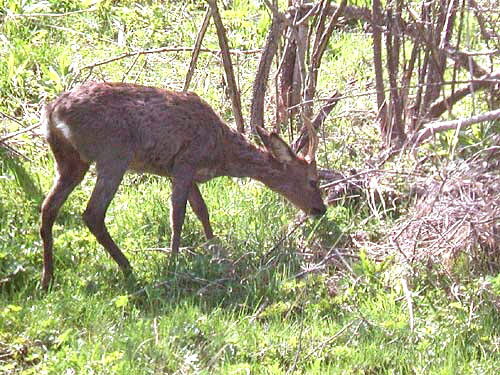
243, 159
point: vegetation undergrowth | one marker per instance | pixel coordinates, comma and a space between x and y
267, 296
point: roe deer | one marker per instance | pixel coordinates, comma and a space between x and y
145, 129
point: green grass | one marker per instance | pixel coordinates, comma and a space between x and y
240, 304
204, 315
224, 315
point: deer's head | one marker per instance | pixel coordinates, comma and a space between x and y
298, 177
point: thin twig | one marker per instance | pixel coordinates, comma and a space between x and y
292, 368
282, 239
325, 110
276, 13
328, 341
196, 50
165, 49
19, 132
11, 118
492, 80
34, 15
88, 36
409, 302
310, 13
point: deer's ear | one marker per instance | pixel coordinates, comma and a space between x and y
281, 150
276, 146
312, 171
264, 136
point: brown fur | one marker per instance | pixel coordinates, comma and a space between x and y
124, 127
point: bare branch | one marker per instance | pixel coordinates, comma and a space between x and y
310, 13
325, 36
351, 12
278, 14
228, 66
19, 132
377, 63
395, 128
285, 80
261, 78
11, 118
481, 22
433, 33
465, 61
196, 50
441, 106
462, 59
320, 44
303, 138
432, 128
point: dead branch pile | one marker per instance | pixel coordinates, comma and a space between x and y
458, 213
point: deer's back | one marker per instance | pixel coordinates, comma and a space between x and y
159, 129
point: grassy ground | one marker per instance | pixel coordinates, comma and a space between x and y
241, 304
244, 310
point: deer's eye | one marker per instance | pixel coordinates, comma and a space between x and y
313, 183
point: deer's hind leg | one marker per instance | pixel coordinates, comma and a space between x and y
199, 207
70, 170
109, 176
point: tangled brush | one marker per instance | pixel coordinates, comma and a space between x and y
457, 212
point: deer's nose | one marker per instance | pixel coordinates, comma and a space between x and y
318, 211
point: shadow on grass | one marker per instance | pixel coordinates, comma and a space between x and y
210, 280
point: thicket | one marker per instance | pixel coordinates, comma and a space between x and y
400, 276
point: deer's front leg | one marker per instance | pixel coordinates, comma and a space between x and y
180, 192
